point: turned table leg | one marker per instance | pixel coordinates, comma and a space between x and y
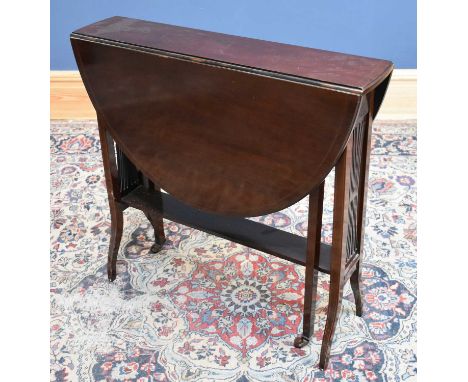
314, 233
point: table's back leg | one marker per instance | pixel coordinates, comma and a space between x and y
314, 233
338, 260
113, 191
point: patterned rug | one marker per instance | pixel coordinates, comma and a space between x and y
206, 309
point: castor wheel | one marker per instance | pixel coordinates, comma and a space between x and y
300, 342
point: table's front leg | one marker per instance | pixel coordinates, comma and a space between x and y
351, 174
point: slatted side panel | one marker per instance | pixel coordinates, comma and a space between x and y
357, 140
129, 176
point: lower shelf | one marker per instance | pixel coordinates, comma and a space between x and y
255, 235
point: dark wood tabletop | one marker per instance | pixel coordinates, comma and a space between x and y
357, 73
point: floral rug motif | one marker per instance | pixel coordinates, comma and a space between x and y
206, 309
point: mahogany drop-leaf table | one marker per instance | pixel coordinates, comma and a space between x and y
232, 127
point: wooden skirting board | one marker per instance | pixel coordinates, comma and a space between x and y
69, 100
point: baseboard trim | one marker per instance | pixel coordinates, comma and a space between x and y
400, 100
69, 100
68, 97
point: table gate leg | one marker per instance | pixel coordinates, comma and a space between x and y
154, 218
314, 233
